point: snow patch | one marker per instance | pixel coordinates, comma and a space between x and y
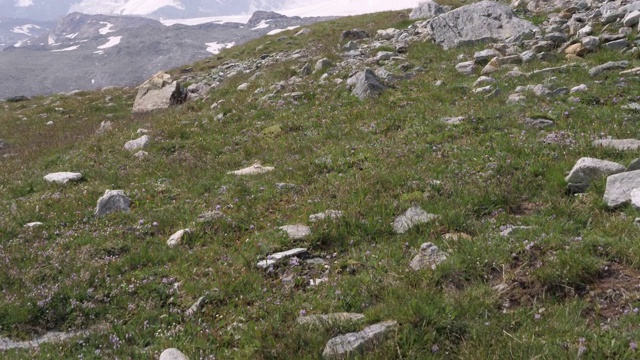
70, 48
23, 3
263, 24
113, 41
106, 29
345, 7
215, 48
24, 29
123, 7
71, 36
243, 19
278, 31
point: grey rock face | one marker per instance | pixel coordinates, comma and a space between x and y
366, 84
586, 170
619, 187
428, 257
159, 92
173, 354
63, 177
483, 21
137, 144
112, 201
618, 144
344, 345
426, 10
410, 218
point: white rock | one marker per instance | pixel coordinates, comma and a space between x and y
33, 224
137, 144
328, 214
176, 238
274, 258
173, 354
635, 198
252, 170
344, 345
618, 144
484, 80
429, 256
579, 88
586, 170
619, 188
63, 177
410, 218
243, 87
296, 232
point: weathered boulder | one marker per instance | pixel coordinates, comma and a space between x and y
586, 170
428, 257
344, 345
482, 21
112, 201
176, 238
426, 10
173, 354
159, 92
410, 218
619, 188
63, 177
137, 144
366, 84
635, 198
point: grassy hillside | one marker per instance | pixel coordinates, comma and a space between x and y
570, 277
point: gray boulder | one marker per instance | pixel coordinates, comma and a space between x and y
344, 345
635, 198
426, 10
619, 188
587, 170
112, 201
159, 92
483, 21
366, 84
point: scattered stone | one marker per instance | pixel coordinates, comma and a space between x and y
63, 177
587, 170
328, 320
328, 214
426, 10
48, 338
457, 120
243, 87
210, 216
344, 345
176, 238
137, 144
611, 65
173, 354
141, 154
410, 218
456, 236
159, 92
579, 88
508, 229
618, 144
482, 21
274, 258
253, 170
323, 64
631, 18
577, 49
483, 57
354, 35
366, 84
483, 80
33, 224
305, 31
619, 187
634, 71
590, 42
428, 257
466, 68
296, 232
195, 307
616, 44
112, 201
538, 122
105, 126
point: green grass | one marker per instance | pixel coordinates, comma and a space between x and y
371, 159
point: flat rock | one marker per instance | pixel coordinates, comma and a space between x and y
137, 144
112, 201
177, 237
618, 144
326, 320
586, 170
328, 214
611, 65
253, 170
344, 345
428, 257
276, 257
482, 21
296, 232
619, 188
159, 92
63, 177
538, 122
173, 354
366, 84
426, 10
33, 224
410, 218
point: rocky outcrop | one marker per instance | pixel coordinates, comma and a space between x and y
426, 10
483, 21
159, 92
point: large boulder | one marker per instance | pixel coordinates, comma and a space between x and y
483, 21
112, 201
619, 188
426, 10
587, 170
159, 92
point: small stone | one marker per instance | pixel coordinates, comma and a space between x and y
323, 64
137, 144
305, 31
484, 80
344, 345
253, 170
453, 120
274, 258
538, 122
509, 229
579, 88
243, 87
590, 42
63, 177
330, 320
616, 44
576, 49
428, 257
328, 214
366, 84
173, 354
483, 57
296, 232
631, 18
141, 154
112, 201
195, 307
618, 144
176, 238
33, 224
412, 217
587, 170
